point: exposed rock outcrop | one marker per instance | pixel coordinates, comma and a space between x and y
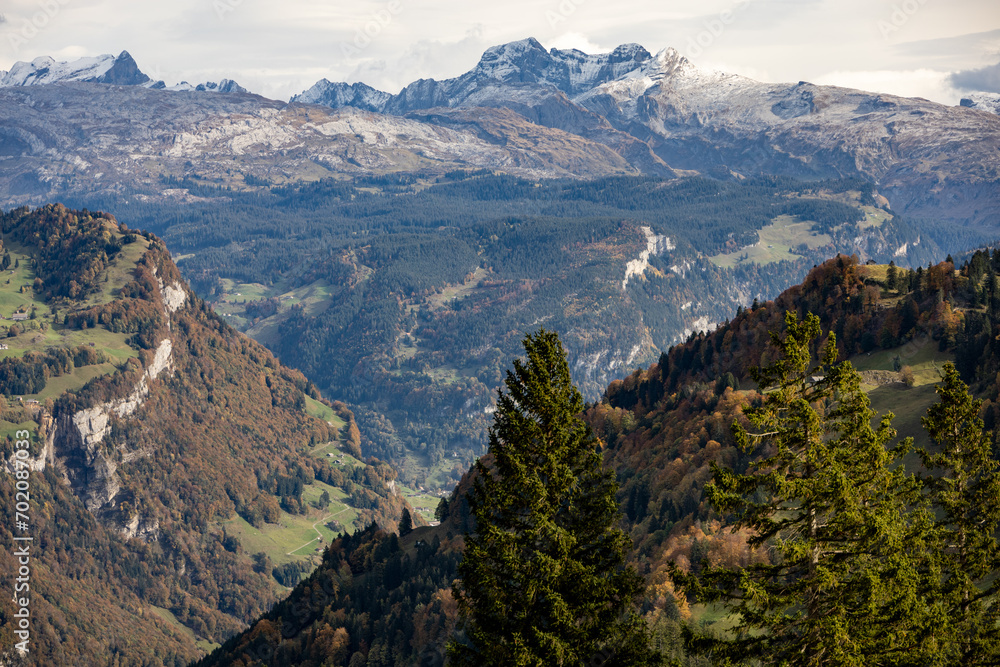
656, 244
90, 468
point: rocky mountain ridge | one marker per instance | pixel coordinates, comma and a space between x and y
932, 161
120, 70
81, 139
521, 109
982, 101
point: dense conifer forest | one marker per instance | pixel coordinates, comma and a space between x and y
405, 297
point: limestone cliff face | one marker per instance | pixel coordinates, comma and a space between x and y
90, 468
76, 442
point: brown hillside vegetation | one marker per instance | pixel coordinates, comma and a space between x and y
131, 563
662, 427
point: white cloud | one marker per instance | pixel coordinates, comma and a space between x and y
576, 40
929, 84
425, 59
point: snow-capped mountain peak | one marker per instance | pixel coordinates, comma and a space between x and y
337, 95
121, 70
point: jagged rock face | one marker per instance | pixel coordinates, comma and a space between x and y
123, 72
120, 71
141, 528
660, 112
521, 65
337, 95
89, 467
75, 441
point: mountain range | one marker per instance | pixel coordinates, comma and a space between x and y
120, 70
522, 109
687, 118
298, 221
384, 255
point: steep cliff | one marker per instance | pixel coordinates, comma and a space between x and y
164, 482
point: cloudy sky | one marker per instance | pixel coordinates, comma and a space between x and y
938, 49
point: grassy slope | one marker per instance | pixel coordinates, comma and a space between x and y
293, 538
167, 617
324, 412
46, 330
314, 297
786, 232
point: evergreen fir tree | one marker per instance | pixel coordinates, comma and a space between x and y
892, 277
963, 485
405, 523
543, 577
829, 507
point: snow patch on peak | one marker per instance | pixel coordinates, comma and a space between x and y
120, 70
339, 95
512, 49
224, 86
46, 70
982, 101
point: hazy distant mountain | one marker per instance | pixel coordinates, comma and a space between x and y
932, 161
120, 71
224, 86
106, 68
83, 139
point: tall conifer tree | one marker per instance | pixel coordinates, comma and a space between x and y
838, 585
963, 486
543, 577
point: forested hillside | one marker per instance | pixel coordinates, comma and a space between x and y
180, 477
405, 297
663, 427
